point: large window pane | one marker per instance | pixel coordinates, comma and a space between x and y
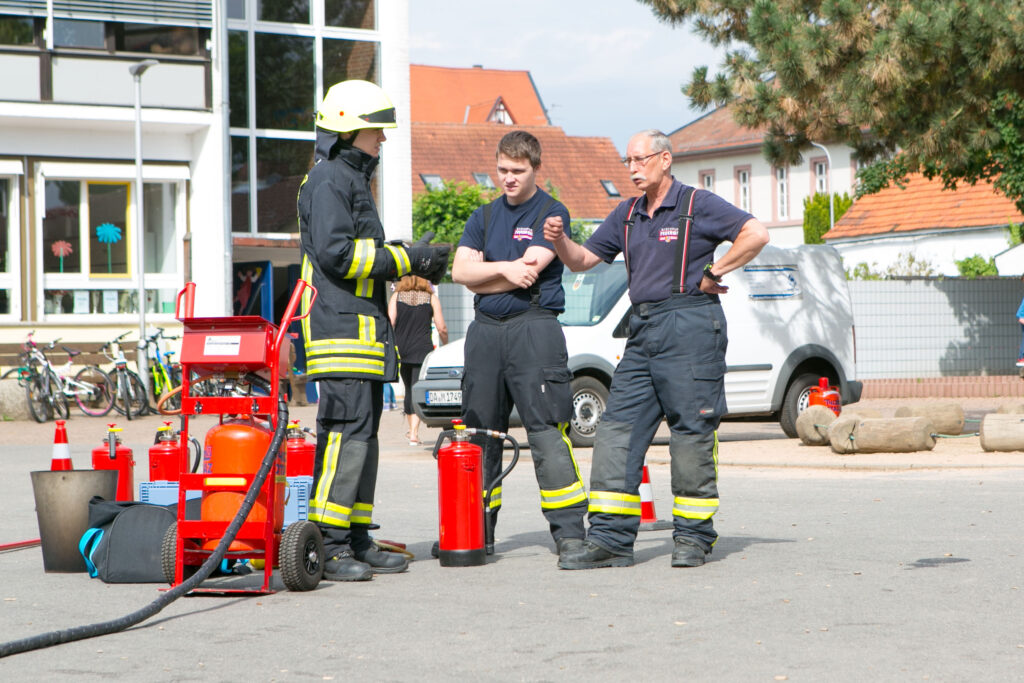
108, 228
238, 78
284, 82
236, 9
239, 184
282, 165
62, 249
158, 39
161, 245
350, 13
74, 33
288, 11
5, 241
16, 31
347, 59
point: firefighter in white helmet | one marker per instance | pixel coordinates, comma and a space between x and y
349, 342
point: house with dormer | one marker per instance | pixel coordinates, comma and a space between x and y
459, 115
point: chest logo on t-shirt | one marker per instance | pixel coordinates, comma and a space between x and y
668, 234
523, 233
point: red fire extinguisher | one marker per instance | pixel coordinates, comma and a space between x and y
464, 531
824, 395
301, 453
113, 455
165, 454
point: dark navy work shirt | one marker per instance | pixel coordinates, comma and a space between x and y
652, 247
509, 236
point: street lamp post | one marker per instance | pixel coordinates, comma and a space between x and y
828, 178
136, 70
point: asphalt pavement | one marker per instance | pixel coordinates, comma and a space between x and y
890, 567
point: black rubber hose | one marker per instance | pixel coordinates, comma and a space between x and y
116, 625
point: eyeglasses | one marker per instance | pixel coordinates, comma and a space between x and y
639, 161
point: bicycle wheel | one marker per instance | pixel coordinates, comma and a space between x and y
130, 394
60, 401
94, 392
38, 402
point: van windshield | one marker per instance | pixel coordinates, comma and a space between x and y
590, 296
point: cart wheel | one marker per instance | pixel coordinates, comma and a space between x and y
169, 553
301, 556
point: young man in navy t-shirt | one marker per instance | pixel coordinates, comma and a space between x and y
515, 349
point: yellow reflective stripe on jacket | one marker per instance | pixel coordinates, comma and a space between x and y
694, 508
614, 503
347, 355
495, 497
368, 330
328, 347
402, 264
364, 288
323, 366
563, 497
307, 297
362, 259
320, 510
362, 513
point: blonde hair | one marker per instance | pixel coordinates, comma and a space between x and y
413, 283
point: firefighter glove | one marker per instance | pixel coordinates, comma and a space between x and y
430, 262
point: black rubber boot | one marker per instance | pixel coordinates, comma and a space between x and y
344, 567
568, 545
592, 556
382, 561
687, 554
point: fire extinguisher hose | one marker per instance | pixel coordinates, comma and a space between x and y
116, 625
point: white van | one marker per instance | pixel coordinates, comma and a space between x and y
789, 322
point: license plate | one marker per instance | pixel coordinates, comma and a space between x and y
444, 398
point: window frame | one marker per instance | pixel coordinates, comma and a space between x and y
781, 196
742, 193
12, 172
85, 173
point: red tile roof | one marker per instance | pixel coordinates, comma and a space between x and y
924, 205
574, 165
441, 94
716, 131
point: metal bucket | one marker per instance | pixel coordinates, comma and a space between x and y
62, 509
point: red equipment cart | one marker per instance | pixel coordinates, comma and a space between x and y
243, 349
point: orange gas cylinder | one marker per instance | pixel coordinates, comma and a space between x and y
232, 448
301, 453
824, 395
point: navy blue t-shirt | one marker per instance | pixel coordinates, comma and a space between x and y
509, 236
652, 247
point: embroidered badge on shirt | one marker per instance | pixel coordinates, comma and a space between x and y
668, 234
523, 233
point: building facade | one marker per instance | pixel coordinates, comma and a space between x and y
227, 136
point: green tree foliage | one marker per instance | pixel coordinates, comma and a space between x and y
976, 266
816, 217
905, 265
930, 85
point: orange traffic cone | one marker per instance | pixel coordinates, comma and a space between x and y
648, 518
61, 450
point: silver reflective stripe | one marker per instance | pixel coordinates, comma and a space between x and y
614, 503
695, 508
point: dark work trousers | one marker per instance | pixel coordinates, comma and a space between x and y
522, 360
673, 367
345, 470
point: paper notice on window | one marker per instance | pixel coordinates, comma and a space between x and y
110, 301
81, 305
222, 345
773, 282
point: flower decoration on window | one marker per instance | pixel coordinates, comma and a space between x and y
108, 233
60, 249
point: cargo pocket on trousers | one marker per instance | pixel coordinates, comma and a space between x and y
556, 395
708, 390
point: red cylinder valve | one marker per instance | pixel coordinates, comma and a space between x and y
113, 455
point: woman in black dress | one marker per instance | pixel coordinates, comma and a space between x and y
412, 308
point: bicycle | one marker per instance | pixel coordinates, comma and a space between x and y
165, 376
129, 392
91, 388
43, 389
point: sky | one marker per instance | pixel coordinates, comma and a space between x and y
603, 68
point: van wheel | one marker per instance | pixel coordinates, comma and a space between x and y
589, 398
796, 401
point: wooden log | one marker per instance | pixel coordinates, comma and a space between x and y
881, 435
1002, 432
1011, 409
812, 425
947, 418
862, 413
